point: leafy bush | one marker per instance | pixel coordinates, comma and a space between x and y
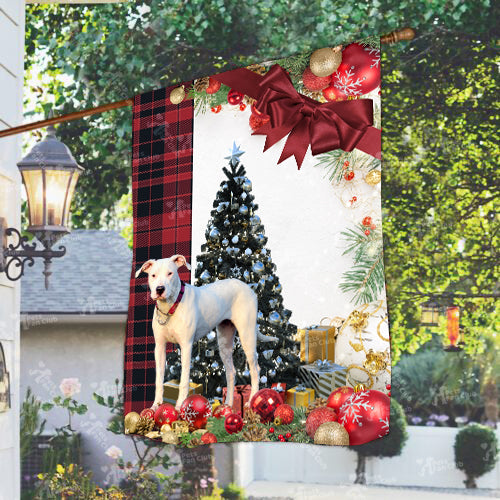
476, 452
436, 387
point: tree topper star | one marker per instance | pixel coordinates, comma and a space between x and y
234, 154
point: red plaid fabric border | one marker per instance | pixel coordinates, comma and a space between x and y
162, 173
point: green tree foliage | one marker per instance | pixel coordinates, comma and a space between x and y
440, 184
438, 102
476, 452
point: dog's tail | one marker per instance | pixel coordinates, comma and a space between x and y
265, 338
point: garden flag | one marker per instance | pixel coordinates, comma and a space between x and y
257, 299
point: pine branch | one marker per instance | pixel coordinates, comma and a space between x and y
337, 162
371, 41
295, 65
204, 102
366, 278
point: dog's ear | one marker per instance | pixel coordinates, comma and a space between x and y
180, 261
144, 268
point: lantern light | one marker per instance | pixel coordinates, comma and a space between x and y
429, 313
50, 173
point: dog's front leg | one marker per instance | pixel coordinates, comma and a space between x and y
160, 358
186, 367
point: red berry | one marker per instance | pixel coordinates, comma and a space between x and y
271, 429
346, 163
373, 226
388, 387
367, 232
281, 437
313, 82
288, 435
213, 86
216, 109
243, 106
349, 176
354, 199
389, 393
367, 221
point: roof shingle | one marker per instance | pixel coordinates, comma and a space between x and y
92, 278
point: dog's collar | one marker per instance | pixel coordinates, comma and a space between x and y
175, 304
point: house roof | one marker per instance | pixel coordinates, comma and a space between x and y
92, 278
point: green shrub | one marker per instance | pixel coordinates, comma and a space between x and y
476, 452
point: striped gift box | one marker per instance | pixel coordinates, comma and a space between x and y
323, 376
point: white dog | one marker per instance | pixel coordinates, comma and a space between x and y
185, 313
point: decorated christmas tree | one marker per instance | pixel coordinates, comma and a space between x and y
235, 248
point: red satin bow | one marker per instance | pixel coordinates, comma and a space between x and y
324, 126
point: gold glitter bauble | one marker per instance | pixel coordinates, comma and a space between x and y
373, 178
325, 61
359, 388
332, 434
170, 437
177, 95
131, 420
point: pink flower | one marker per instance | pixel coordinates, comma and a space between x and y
114, 452
70, 386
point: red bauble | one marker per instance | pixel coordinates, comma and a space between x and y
367, 232
257, 121
233, 423
359, 72
213, 86
365, 416
367, 221
148, 413
313, 82
338, 397
195, 411
234, 97
243, 106
332, 93
264, 403
285, 413
317, 417
222, 411
165, 414
208, 438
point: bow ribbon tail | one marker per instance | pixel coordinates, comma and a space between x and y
297, 142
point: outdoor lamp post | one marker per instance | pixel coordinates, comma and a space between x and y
50, 174
429, 313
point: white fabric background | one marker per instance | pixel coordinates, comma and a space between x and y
301, 211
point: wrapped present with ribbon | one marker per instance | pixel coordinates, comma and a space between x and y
299, 396
279, 387
323, 376
171, 390
318, 342
240, 398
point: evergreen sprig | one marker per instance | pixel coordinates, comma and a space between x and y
333, 162
366, 277
371, 41
295, 65
204, 102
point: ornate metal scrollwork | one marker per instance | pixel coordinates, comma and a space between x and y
16, 256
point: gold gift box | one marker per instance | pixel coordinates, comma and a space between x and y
317, 342
171, 390
299, 396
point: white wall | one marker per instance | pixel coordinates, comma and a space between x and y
427, 460
11, 88
93, 353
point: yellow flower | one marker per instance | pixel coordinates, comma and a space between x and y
60, 469
40, 476
70, 468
